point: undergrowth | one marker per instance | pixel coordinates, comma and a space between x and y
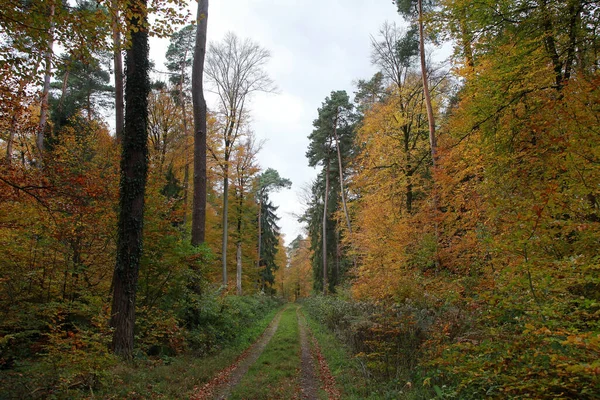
71, 360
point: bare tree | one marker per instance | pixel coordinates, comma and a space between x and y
235, 69
393, 51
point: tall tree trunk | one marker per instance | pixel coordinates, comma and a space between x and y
324, 234
238, 277
199, 105
339, 154
238, 257
46, 90
225, 219
118, 67
409, 170
259, 230
186, 168
186, 189
134, 171
426, 94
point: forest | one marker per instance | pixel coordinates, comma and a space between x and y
451, 235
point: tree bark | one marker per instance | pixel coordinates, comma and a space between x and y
238, 256
225, 220
259, 230
118, 67
238, 277
325, 198
199, 105
186, 168
134, 170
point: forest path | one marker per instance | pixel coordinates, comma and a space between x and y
222, 384
285, 363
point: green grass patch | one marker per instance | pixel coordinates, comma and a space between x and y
275, 373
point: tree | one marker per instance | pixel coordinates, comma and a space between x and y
85, 86
245, 170
332, 135
297, 280
394, 52
269, 181
235, 70
200, 148
118, 68
180, 55
134, 168
407, 8
166, 136
269, 246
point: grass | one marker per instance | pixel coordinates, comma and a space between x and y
175, 378
275, 373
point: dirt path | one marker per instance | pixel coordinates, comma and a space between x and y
309, 383
221, 385
314, 379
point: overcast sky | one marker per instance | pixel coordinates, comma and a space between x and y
317, 46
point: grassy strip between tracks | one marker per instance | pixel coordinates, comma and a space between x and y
275, 373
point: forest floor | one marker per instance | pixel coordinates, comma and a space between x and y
284, 363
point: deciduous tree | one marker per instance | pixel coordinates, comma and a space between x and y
235, 70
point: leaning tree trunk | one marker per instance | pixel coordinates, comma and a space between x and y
199, 104
325, 198
134, 171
